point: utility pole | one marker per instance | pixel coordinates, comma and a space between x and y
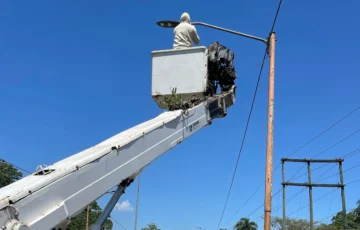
137, 202
283, 227
343, 195
310, 185
270, 135
310, 198
87, 217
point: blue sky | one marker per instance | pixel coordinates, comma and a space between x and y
76, 73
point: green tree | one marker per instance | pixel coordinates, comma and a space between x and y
8, 174
79, 222
245, 224
338, 221
325, 227
290, 224
357, 212
151, 226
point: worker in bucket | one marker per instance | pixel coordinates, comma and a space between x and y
185, 34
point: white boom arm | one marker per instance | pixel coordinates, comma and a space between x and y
48, 198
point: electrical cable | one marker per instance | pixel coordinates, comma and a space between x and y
118, 223
304, 145
278, 192
337, 143
319, 181
249, 116
244, 203
332, 146
290, 199
348, 155
322, 221
334, 165
243, 140
339, 173
331, 200
320, 134
322, 197
316, 180
24, 170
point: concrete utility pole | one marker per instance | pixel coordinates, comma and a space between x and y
137, 202
270, 135
343, 194
310, 198
284, 196
310, 185
270, 127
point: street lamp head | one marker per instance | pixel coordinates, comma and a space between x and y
168, 24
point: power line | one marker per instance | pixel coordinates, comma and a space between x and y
24, 170
245, 203
337, 143
278, 192
249, 116
302, 190
322, 197
358, 165
355, 181
118, 223
320, 134
331, 200
290, 199
243, 140
286, 202
327, 149
322, 221
304, 145
350, 154
275, 18
334, 165
316, 180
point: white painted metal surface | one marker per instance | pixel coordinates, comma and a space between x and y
45, 201
183, 69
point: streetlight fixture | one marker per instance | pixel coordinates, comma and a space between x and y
270, 43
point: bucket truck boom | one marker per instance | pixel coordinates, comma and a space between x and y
48, 198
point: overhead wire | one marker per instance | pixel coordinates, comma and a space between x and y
287, 201
24, 170
350, 154
331, 200
320, 134
274, 22
322, 220
243, 140
316, 180
249, 116
358, 165
322, 197
327, 149
118, 223
301, 147
301, 198
302, 190
329, 169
